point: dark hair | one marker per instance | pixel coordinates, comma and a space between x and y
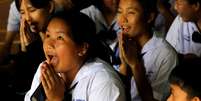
83, 30
149, 6
187, 76
35, 3
194, 1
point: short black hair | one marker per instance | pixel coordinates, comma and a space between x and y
83, 30
187, 75
35, 3
149, 6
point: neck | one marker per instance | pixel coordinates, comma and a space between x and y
143, 39
70, 75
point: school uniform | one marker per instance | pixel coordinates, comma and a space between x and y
13, 18
180, 36
95, 81
159, 59
101, 26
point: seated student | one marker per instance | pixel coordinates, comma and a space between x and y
184, 33
76, 60
138, 44
185, 81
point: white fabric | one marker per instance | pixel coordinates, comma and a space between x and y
13, 18
159, 59
96, 81
95, 14
180, 37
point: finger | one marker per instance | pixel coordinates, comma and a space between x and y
44, 82
53, 72
46, 75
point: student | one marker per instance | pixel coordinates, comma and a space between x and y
138, 45
34, 16
185, 81
184, 33
73, 52
14, 25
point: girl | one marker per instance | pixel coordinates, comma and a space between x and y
73, 52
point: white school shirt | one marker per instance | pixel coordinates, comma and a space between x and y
95, 81
13, 18
95, 14
159, 59
180, 37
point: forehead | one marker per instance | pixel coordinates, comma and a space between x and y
58, 24
25, 3
130, 4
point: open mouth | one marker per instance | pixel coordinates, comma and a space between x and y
52, 59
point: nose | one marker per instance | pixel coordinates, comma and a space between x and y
122, 20
49, 43
27, 17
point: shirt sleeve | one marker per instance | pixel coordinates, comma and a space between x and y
166, 63
13, 18
106, 89
35, 83
173, 33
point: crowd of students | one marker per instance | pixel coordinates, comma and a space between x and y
104, 50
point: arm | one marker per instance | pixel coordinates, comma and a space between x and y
129, 56
12, 31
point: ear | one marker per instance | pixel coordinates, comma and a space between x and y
196, 99
51, 7
83, 49
151, 17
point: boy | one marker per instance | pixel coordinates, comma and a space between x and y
184, 82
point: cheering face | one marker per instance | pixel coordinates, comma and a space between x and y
60, 50
36, 18
130, 17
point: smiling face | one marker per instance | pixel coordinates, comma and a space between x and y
185, 10
36, 18
60, 49
130, 17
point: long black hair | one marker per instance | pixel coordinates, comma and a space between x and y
35, 3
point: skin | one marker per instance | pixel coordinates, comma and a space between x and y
35, 18
178, 94
134, 35
64, 56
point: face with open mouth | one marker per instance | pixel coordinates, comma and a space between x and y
130, 17
59, 48
36, 18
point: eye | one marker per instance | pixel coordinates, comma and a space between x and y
21, 12
131, 12
60, 37
32, 9
47, 35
